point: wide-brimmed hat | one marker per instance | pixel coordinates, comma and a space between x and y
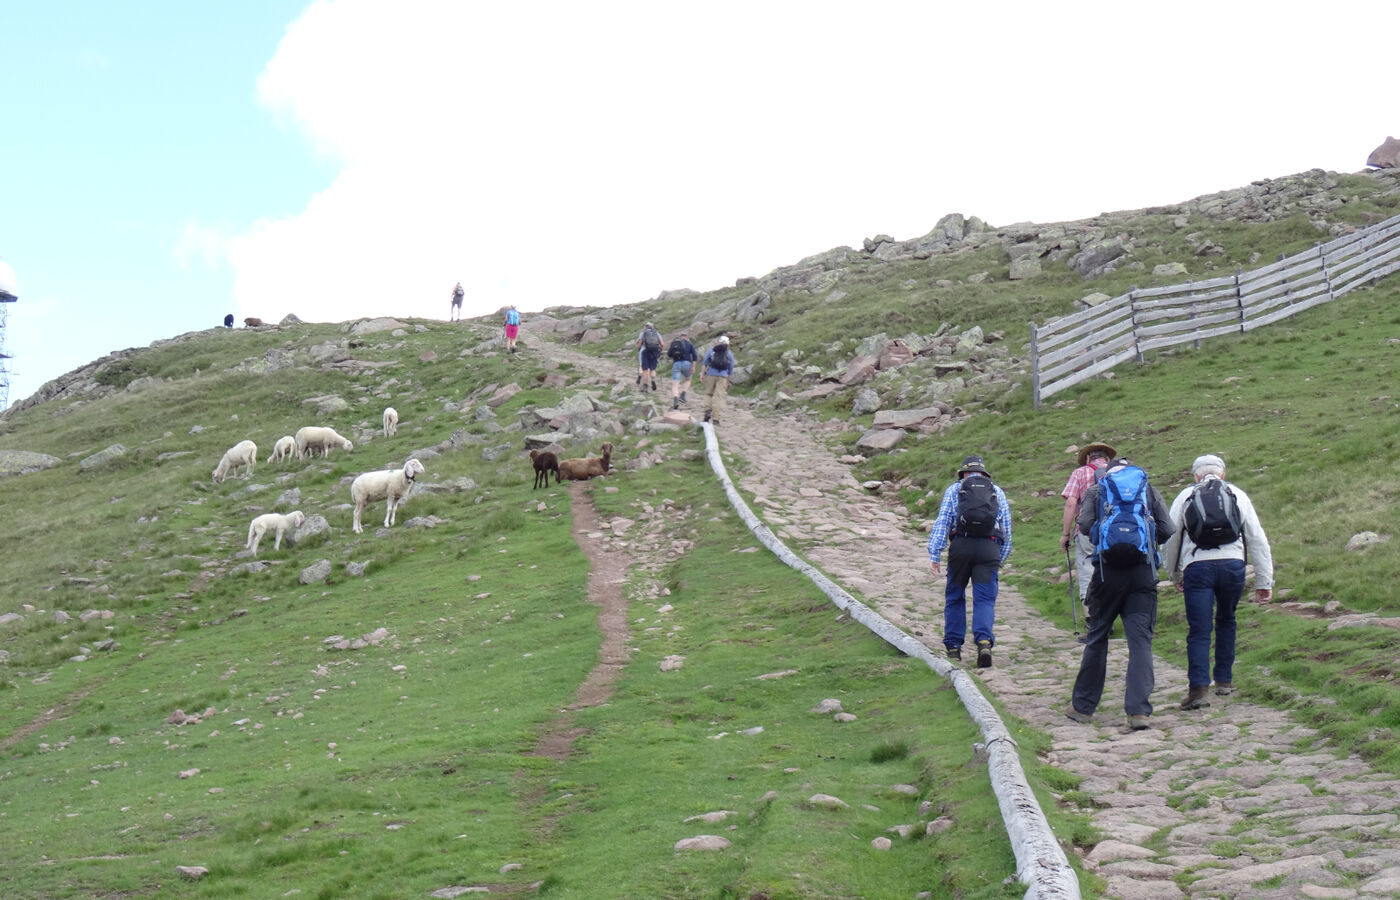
972, 464
1094, 449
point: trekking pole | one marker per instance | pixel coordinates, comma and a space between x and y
1073, 594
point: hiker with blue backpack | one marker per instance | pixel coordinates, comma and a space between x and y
1126, 520
1216, 526
974, 523
512, 327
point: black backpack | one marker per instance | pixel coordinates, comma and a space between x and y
651, 339
1212, 515
977, 507
677, 350
719, 356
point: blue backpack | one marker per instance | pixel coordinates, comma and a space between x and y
1127, 534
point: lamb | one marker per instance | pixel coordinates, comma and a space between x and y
242, 454
584, 469
276, 522
252, 322
285, 448
391, 486
313, 437
545, 462
391, 421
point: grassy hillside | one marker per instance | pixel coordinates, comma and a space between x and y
413, 764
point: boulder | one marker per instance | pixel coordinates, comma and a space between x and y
925, 419
879, 440
370, 326
102, 457
894, 354
866, 402
1386, 156
316, 572
22, 462
861, 369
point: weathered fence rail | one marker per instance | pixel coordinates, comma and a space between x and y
1085, 344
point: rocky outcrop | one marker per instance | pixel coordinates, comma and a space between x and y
22, 462
1386, 156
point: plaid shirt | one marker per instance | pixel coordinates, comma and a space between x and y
947, 514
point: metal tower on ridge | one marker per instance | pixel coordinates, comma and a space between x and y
7, 296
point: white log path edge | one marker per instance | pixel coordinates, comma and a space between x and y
1040, 862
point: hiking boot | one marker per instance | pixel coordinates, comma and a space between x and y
707, 415
955, 654
682, 396
984, 654
1195, 698
1139, 723
653, 384
1224, 688
639, 378
1080, 717
675, 403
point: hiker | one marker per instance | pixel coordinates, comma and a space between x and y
1126, 520
512, 328
228, 320
715, 371
455, 314
683, 359
1093, 459
1215, 525
974, 523
649, 343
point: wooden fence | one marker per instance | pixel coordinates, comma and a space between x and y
1082, 345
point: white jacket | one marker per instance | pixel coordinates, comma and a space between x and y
1181, 551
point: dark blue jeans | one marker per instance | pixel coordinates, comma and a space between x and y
1213, 588
1131, 595
975, 560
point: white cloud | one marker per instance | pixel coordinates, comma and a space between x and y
599, 153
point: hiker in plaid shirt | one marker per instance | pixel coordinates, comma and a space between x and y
1093, 458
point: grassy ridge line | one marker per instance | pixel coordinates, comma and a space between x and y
407, 765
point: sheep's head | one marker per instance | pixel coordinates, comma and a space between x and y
296, 517
534, 454
412, 469
345, 443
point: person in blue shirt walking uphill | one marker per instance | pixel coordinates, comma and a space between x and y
1215, 525
1126, 520
683, 359
512, 328
716, 369
974, 523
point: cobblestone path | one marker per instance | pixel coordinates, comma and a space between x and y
1234, 801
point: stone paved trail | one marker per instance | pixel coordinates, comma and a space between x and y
1235, 801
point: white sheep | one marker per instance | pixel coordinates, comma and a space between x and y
285, 448
391, 486
314, 437
241, 454
276, 522
391, 421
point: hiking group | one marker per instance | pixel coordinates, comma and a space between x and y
1117, 532
716, 368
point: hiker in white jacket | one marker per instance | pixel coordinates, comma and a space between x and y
1212, 580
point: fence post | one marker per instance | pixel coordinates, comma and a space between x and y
1132, 314
1239, 298
1035, 370
1191, 310
1326, 276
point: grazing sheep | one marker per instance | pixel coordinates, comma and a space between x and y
586, 468
242, 454
275, 522
252, 322
285, 448
314, 437
545, 462
391, 421
391, 486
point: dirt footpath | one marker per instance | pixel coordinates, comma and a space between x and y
1235, 800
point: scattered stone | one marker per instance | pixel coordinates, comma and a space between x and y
703, 842
672, 663
1365, 539
828, 801
826, 707
193, 873
882, 843
316, 572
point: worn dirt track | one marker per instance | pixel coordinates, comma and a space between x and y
1237, 800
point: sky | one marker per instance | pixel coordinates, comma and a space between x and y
164, 162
